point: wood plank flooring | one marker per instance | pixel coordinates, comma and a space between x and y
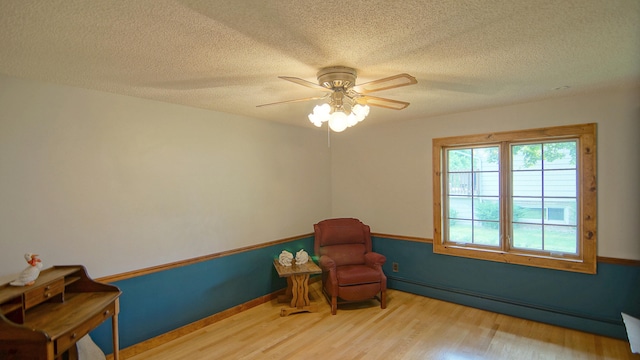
412, 327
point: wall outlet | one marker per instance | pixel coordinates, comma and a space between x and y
394, 267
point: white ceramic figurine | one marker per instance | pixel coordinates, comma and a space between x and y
302, 257
285, 258
29, 275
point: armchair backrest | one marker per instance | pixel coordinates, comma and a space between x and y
345, 240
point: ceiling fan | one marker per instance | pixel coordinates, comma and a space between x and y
348, 103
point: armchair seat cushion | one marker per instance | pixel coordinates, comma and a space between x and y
357, 274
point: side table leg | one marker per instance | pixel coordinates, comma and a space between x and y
72, 353
289, 291
300, 291
294, 290
114, 332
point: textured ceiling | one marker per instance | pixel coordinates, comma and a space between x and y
227, 55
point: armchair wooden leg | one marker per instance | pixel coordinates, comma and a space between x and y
334, 305
383, 299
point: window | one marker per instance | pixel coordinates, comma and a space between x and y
523, 197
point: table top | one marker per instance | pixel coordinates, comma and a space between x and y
57, 319
309, 268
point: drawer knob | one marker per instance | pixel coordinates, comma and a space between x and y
48, 287
73, 336
47, 295
106, 312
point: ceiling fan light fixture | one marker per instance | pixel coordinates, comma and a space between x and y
352, 119
322, 110
360, 111
338, 121
315, 120
320, 114
348, 103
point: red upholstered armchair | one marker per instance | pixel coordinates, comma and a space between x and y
350, 270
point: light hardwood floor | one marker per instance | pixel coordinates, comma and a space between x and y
412, 327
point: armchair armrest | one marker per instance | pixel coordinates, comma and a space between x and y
327, 263
374, 259
329, 273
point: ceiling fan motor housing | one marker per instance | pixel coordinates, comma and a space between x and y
337, 77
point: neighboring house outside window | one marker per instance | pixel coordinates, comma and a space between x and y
525, 197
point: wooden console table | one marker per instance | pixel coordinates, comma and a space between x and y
45, 320
297, 286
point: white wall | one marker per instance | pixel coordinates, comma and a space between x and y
118, 183
382, 173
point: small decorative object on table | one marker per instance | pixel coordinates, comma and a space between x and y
29, 275
302, 257
285, 258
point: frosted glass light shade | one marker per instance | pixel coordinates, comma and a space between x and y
338, 121
323, 109
315, 119
352, 119
360, 111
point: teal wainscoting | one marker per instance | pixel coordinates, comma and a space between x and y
590, 303
154, 304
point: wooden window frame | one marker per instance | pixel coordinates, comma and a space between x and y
585, 261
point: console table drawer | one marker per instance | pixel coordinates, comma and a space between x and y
71, 337
43, 293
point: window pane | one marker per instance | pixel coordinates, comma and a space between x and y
460, 183
460, 207
561, 211
527, 210
459, 160
460, 231
555, 214
486, 159
488, 184
527, 236
526, 157
560, 238
527, 183
486, 209
486, 233
560, 155
560, 183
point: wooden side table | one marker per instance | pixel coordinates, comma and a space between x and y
297, 286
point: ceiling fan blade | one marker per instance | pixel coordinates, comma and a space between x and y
303, 82
383, 102
386, 83
293, 101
